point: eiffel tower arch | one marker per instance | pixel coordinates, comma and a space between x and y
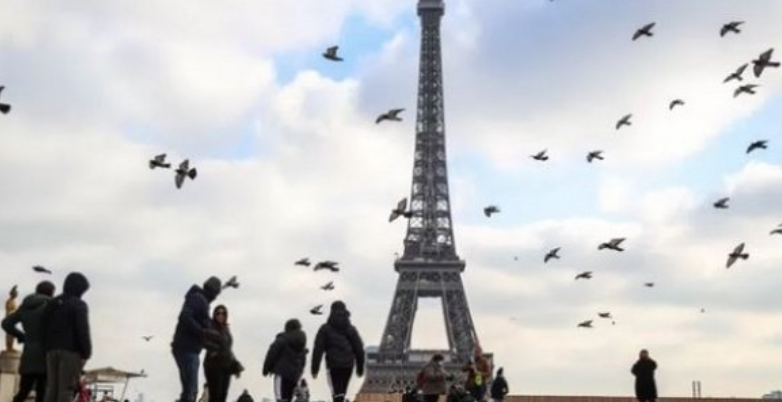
429, 265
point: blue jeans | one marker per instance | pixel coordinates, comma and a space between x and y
188, 364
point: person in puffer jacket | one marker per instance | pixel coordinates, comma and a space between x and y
344, 350
220, 362
286, 359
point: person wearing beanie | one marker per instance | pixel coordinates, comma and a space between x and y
344, 350
191, 333
286, 359
33, 364
220, 363
499, 387
66, 338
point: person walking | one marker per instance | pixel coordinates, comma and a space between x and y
66, 339
645, 385
433, 379
220, 363
344, 350
190, 335
33, 363
499, 387
286, 359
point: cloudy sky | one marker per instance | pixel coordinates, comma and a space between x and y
291, 164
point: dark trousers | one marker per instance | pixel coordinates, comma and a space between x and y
63, 369
187, 363
217, 381
339, 379
431, 398
283, 388
27, 383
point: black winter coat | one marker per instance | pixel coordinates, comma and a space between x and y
193, 322
340, 340
287, 355
219, 351
66, 324
30, 314
499, 388
645, 386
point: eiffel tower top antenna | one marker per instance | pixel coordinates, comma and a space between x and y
430, 229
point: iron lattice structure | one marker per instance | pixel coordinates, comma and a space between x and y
429, 265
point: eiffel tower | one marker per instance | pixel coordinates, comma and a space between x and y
429, 265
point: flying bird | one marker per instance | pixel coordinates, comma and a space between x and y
491, 209
303, 262
612, 245
540, 156
645, 30
551, 254
328, 286
649, 284
722, 203
4, 107
778, 230
331, 54
317, 310
605, 315
624, 121
330, 265
400, 210
159, 161
745, 89
737, 253
732, 26
763, 61
231, 283
41, 270
584, 275
736, 75
761, 144
184, 171
594, 155
585, 324
147, 338
674, 103
391, 115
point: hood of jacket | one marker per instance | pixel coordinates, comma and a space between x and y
75, 285
34, 301
295, 339
339, 319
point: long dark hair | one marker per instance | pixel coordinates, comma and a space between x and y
214, 316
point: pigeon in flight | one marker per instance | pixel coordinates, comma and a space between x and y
624, 121
331, 54
328, 286
391, 115
317, 310
147, 338
745, 89
184, 171
612, 245
231, 283
645, 30
736, 75
703, 310
584, 275
778, 230
722, 203
732, 26
674, 103
491, 209
551, 254
540, 156
762, 144
649, 284
4, 107
41, 270
305, 262
330, 265
159, 161
763, 61
594, 155
585, 324
737, 253
605, 315
400, 210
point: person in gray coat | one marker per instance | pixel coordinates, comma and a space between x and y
433, 379
33, 365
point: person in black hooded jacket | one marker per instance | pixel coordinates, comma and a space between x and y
66, 339
33, 364
190, 334
343, 347
643, 370
286, 359
220, 362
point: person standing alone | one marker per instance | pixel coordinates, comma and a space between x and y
643, 370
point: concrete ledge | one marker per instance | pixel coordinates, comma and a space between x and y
564, 398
